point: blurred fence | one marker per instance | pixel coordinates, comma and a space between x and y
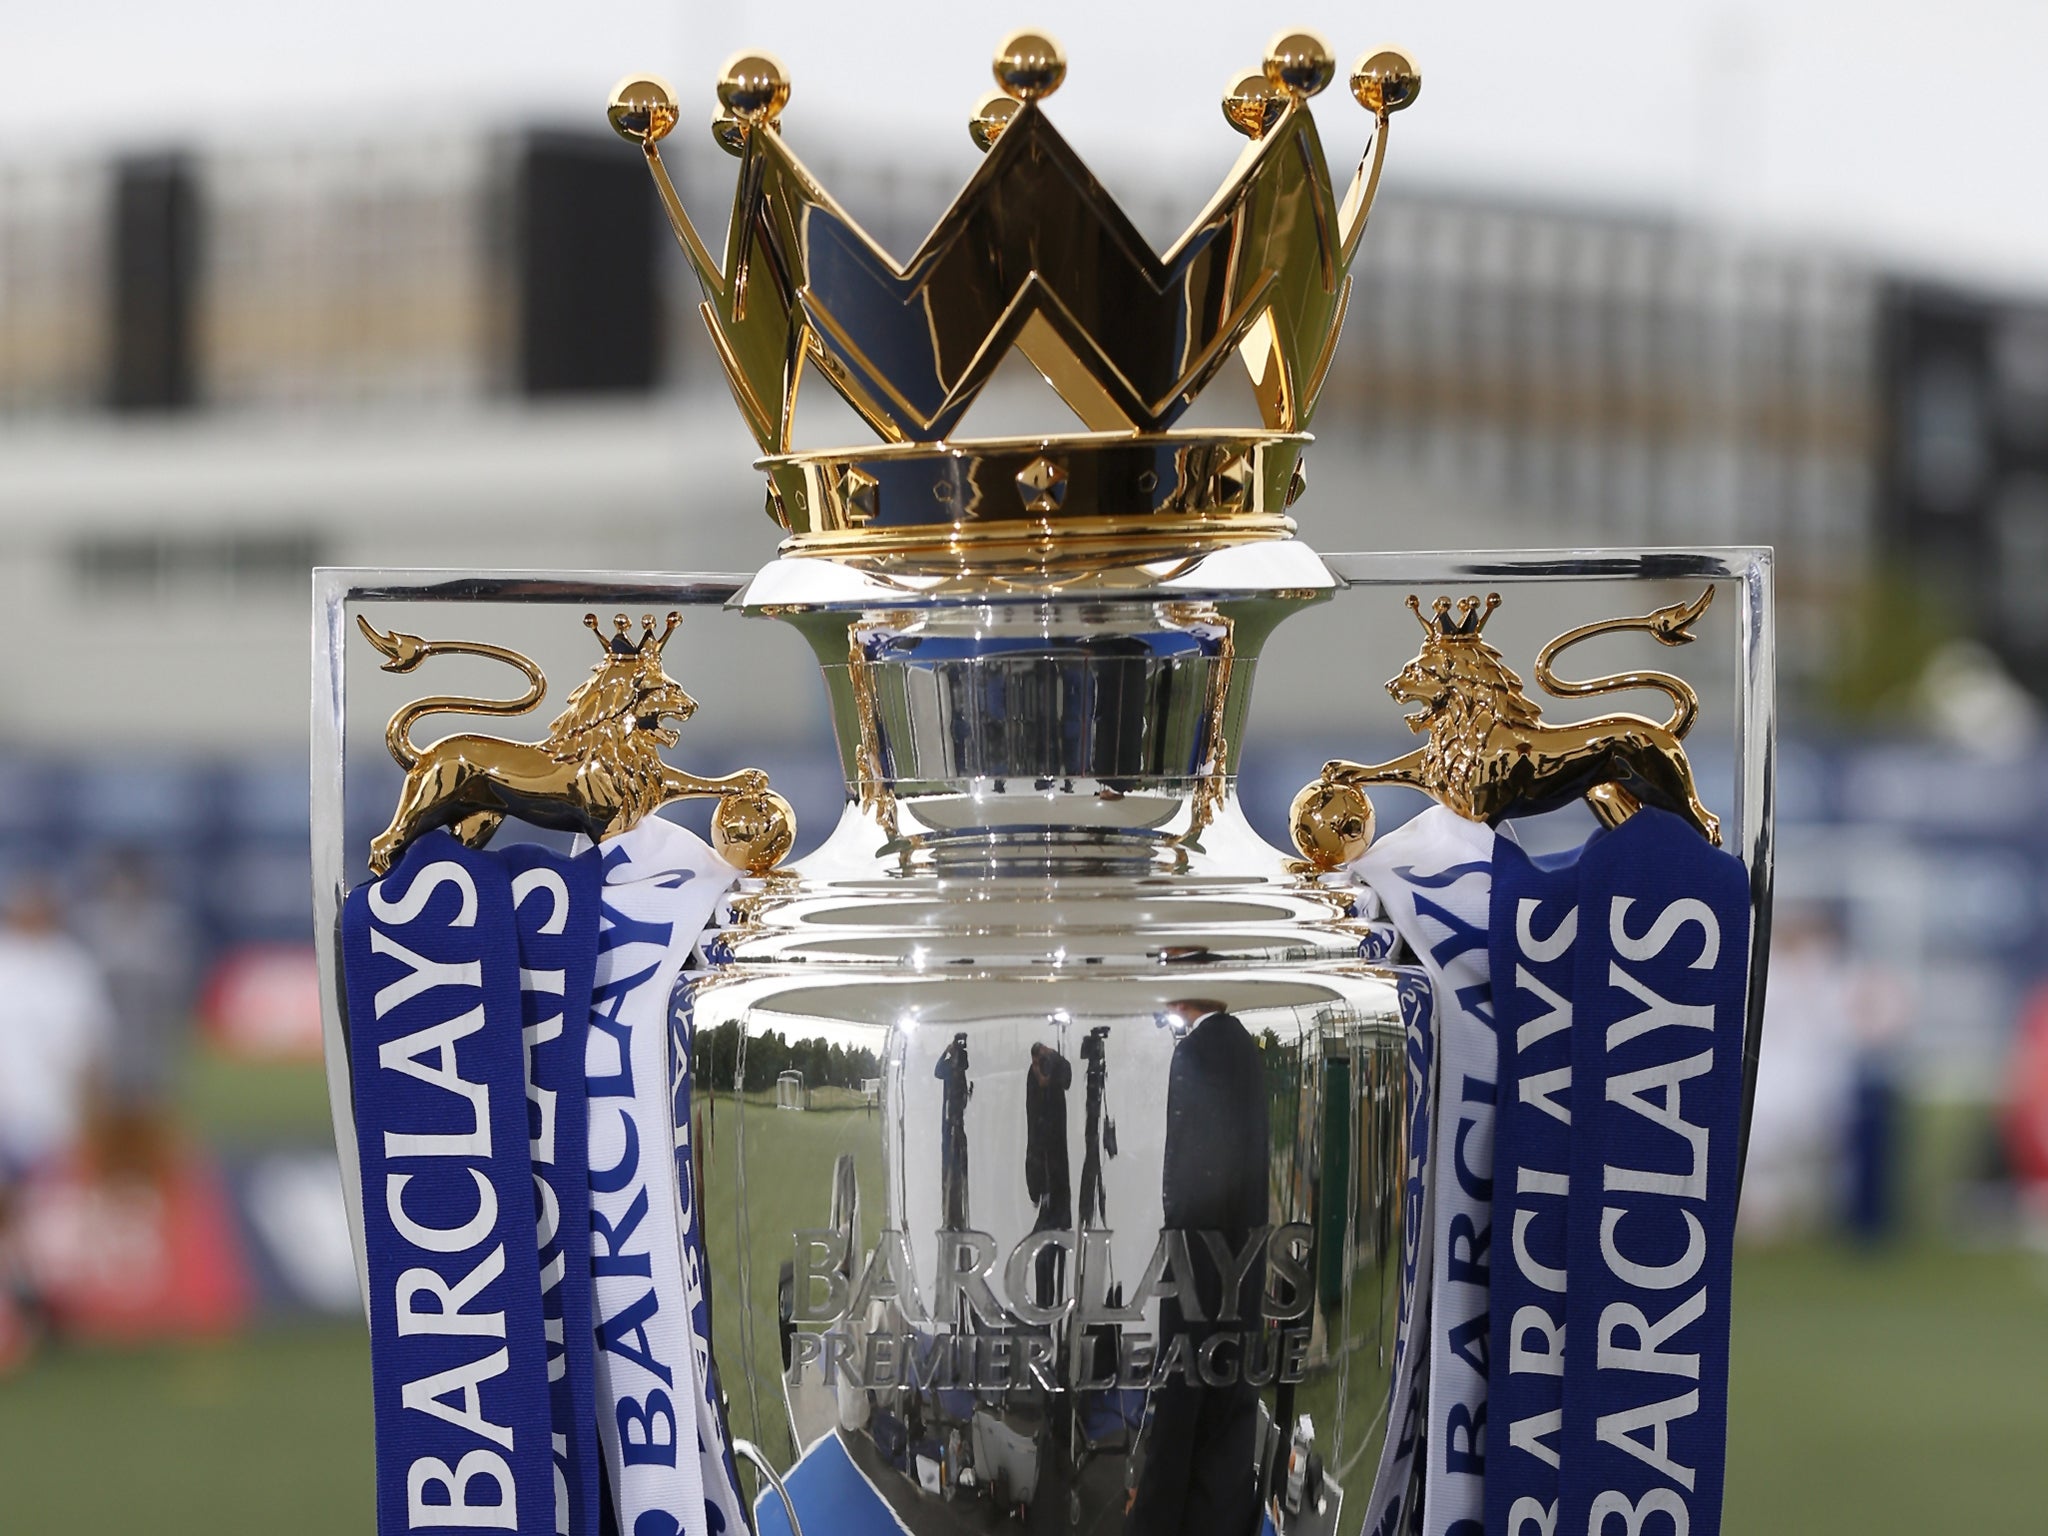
1934, 864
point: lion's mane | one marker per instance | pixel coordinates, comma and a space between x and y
597, 731
1477, 689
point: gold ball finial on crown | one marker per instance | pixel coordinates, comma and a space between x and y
729, 133
1252, 104
1386, 80
643, 109
1300, 63
1029, 66
753, 87
992, 115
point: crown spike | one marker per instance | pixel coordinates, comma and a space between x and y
642, 111
590, 623
1415, 607
1492, 602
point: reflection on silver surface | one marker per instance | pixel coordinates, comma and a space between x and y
1016, 930
1050, 1120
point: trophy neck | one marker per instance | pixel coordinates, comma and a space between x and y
1111, 707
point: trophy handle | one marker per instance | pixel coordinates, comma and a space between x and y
753, 826
1332, 819
750, 1453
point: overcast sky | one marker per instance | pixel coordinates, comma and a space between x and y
1913, 132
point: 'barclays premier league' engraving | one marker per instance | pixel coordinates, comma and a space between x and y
881, 1330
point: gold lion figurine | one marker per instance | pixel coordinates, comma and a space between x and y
1489, 752
598, 772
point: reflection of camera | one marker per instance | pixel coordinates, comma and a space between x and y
1094, 1052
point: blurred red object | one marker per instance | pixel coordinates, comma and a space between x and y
136, 1257
2026, 1105
263, 1000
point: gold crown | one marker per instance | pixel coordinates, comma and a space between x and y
1470, 623
1033, 255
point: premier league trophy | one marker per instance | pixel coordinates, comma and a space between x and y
1045, 1151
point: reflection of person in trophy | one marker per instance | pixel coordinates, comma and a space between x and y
1198, 1477
1048, 1178
952, 1071
1100, 1131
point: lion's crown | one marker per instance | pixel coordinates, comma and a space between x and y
1469, 623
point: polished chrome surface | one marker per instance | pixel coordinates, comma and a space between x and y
1050, 1120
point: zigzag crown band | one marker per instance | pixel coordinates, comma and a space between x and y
1033, 255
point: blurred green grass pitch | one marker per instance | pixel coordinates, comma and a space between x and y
1902, 1393
1905, 1391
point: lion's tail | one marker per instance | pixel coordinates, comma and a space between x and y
1670, 625
404, 652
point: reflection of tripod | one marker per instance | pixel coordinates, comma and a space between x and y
1097, 1419
1100, 1132
1046, 1177
952, 1071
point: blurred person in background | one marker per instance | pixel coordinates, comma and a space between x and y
2025, 1112
1826, 1137
1804, 1080
144, 946
55, 1033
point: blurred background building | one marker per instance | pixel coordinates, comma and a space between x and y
219, 370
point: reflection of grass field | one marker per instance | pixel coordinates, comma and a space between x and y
1905, 1394
789, 1179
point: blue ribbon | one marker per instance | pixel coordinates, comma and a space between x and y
1658, 995
1531, 935
458, 1358
556, 899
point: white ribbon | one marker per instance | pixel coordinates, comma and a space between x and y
1435, 877
661, 885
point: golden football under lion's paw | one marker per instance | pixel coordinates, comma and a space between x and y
753, 830
1331, 824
